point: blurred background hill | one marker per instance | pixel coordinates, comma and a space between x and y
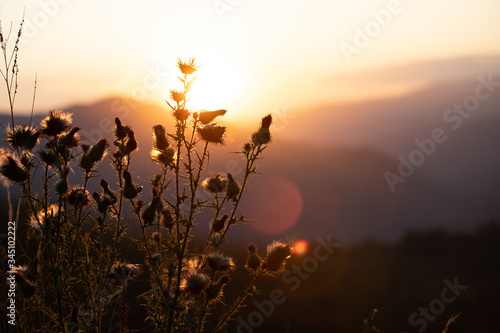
326, 165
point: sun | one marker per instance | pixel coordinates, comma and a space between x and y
218, 84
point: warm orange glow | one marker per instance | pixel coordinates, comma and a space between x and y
300, 247
217, 85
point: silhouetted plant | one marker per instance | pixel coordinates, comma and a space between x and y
75, 277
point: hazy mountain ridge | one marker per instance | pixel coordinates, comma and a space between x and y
340, 173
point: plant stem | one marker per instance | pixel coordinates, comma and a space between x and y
235, 307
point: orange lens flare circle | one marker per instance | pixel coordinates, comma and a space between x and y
300, 247
276, 205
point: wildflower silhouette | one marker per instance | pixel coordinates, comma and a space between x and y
74, 276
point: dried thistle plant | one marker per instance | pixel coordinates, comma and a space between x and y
74, 276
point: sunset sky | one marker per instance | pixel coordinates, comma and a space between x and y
255, 56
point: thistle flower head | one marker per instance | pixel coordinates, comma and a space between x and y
253, 260
277, 253
62, 185
22, 137
218, 224
165, 157
247, 148
92, 156
78, 197
123, 271
56, 123
215, 290
193, 264
121, 131
267, 121
149, 213
20, 269
215, 184
131, 144
102, 202
104, 185
177, 96
109, 197
219, 262
48, 158
194, 282
160, 138
167, 220
42, 219
212, 133
96, 153
261, 137
130, 190
233, 188
70, 139
251, 248
187, 67
206, 117
181, 114
10, 169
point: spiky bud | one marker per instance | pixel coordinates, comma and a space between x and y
110, 195
149, 213
187, 67
177, 96
181, 114
121, 131
10, 169
253, 260
218, 224
277, 253
160, 138
216, 288
131, 144
233, 188
130, 191
207, 117
70, 139
167, 219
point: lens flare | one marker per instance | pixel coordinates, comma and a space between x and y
277, 205
300, 247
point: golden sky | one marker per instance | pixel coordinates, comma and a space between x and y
255, 56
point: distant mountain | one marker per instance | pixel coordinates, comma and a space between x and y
325, 171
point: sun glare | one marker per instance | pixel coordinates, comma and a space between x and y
218, 84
